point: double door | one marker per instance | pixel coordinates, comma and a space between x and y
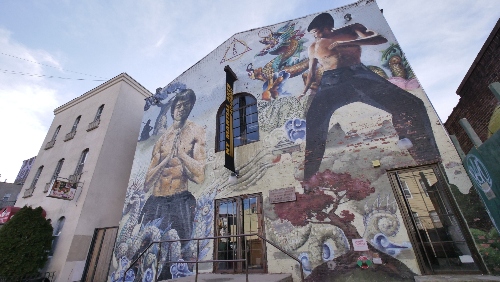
240, 215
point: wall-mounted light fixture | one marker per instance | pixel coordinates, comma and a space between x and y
348, 17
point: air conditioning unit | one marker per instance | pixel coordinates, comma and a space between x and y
74, 177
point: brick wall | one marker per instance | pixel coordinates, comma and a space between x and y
476, 100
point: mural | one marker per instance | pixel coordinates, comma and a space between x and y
25, 169
330, 101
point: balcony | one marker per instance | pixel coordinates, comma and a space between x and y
50, 144
28, 192
93, 125
69, 136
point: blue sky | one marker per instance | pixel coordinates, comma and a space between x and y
155, 41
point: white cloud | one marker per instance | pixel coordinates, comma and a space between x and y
26, 107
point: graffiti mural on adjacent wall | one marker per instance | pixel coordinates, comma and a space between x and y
23, 172
332, 96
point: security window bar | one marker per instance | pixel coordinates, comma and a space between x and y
245, 122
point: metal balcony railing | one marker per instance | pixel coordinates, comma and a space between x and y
69, 136
28, 192
50, 144
47, 187
197, 261
93, 125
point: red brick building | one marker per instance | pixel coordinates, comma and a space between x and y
477, 103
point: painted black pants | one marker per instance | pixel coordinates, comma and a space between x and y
357, 83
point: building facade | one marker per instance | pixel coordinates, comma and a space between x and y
477, 103
312, 133
81, 170
8, 194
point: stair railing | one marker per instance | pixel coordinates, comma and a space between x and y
197, 261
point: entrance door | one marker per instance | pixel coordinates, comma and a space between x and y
236, 216
431, 219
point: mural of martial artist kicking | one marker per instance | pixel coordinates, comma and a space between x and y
346, 80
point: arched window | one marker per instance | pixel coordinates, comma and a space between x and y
75, 124
37, 176
245, 122
55, 133
55, 235
99, 112
81, 162
58, 169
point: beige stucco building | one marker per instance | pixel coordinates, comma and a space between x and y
91, 142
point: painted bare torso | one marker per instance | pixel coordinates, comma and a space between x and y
178, 156
333, 57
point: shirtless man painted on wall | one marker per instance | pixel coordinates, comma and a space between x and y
346, 80
178, 157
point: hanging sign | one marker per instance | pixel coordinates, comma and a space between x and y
63, 190
229, 150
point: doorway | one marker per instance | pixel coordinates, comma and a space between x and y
236, 216
433, 222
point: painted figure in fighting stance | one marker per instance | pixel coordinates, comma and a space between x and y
346, 80
178, 157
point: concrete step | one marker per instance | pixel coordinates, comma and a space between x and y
252, 277
456, 278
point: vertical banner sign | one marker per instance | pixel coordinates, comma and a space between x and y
482, 166
230, 79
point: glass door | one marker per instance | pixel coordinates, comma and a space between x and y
430, 217
237, 216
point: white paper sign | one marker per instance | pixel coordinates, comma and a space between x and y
360, 245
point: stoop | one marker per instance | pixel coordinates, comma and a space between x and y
254, 277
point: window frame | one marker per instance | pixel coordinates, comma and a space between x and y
75, 124
241, 138
37, 176
99, 113
81, 161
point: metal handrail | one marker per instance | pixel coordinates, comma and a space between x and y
217, 260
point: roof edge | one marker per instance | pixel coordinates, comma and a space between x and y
479, 56
121, 77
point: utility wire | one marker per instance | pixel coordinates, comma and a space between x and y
47, 76
50, 66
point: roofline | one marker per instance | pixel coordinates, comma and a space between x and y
119, 78
335, 10
479, 56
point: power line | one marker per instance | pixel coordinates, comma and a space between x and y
49, 65
48, 76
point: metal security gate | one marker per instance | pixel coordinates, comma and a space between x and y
100, 253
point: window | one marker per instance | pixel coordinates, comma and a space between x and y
58, 169
75, 124
99, 112
81, 162
6, 197
245, 122
57, 232
37, 175
56, 132
406, 190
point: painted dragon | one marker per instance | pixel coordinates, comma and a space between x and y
287, 45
